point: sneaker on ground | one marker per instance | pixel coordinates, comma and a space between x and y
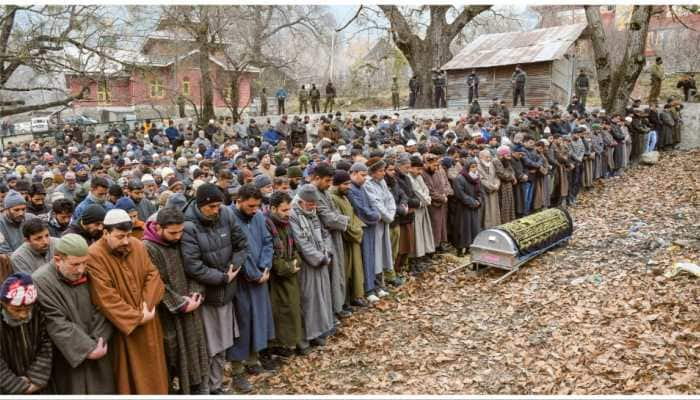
372, 298
381, 293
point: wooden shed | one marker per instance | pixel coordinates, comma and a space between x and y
546, 55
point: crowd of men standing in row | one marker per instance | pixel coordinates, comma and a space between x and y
143, 261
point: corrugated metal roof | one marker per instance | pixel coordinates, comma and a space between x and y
516, 47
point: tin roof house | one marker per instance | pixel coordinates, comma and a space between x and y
548, 56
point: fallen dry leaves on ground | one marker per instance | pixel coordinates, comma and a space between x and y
596, 316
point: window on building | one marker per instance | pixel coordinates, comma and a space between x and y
186, 87
611, 8
157, 88
103, 93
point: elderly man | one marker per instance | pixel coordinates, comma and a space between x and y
83, 363
68, 188
490, 184
11, 221
26, 350
214, 248
314, 277
335, 223
126, 287
506, 175
252, 301
185, 342
37, 249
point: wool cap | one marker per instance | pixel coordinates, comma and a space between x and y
308, 192
262, 180
173, 182
126, 204
14, 199
340, 177
116, 216
135, 184
93, 213
294, 172
375, 164
280, 171
72, 245
403, 158
359, 167
18, 289
208, 193
447, 162
503, 151
344, 165
177, 200
416, 161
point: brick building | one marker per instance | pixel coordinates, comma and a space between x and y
162, 76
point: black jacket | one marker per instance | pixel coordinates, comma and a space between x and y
400, 200
412, 200
208, 248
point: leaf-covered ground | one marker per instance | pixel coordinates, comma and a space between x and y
596, 316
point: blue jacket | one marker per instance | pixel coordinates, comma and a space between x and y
171, 133
281, 93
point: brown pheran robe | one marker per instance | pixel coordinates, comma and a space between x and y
118, 287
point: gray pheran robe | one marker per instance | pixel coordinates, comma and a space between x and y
74, 325
314, 279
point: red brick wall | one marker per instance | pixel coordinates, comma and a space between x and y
136, 90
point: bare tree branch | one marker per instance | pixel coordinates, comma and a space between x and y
357, 14
43, 106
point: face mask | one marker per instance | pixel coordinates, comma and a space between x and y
474, 175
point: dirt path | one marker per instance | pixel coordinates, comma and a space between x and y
594, 317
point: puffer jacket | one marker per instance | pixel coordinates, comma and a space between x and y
208, 248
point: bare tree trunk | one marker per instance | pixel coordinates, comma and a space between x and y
600, 51
207, 86
616, 83
634, 60
432, 52
233, 100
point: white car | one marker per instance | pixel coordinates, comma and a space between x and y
40, 125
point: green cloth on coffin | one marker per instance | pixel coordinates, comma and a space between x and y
539, 230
